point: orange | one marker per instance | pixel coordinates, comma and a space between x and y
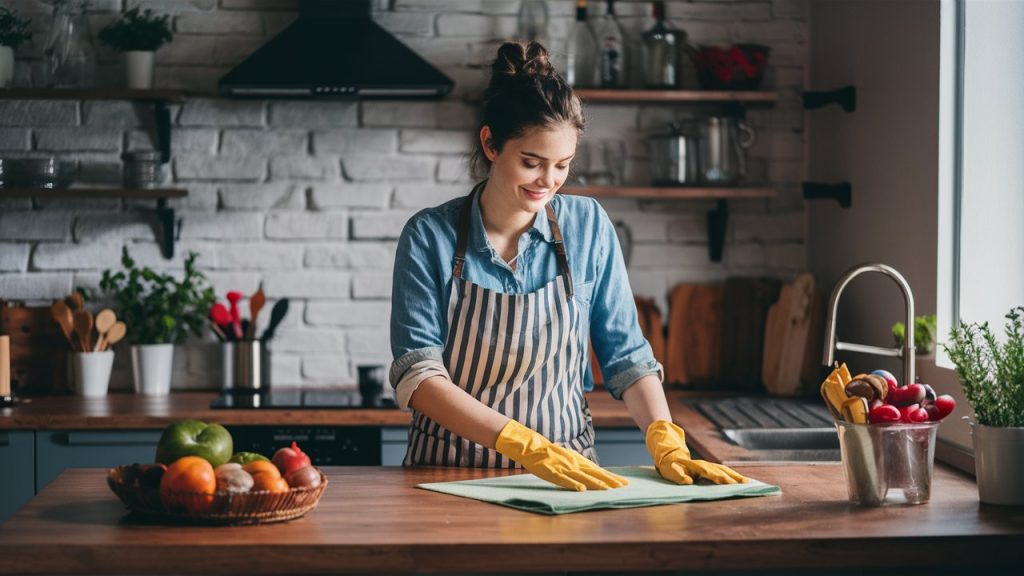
258, 467
189, 483
269, 483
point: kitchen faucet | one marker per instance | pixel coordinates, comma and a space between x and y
906, 352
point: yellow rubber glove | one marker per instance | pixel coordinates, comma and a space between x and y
667, 444
561, 466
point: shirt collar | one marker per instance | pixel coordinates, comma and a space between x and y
478, 236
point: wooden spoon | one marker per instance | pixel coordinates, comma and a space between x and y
62, 315
83, 327
104, 320
115, 334
75, 301
256, 302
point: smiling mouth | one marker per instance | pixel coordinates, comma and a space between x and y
533, 194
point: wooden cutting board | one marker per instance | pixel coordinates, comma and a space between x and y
786, 336
694, 334
746, 305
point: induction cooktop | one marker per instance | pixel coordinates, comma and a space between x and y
308, 399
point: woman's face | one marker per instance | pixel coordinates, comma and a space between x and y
531, 168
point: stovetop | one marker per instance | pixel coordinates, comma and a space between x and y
304, 399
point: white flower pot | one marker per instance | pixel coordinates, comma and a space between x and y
6, 66
999, 464
138, 69
151, 368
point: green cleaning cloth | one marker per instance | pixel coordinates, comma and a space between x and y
646, 488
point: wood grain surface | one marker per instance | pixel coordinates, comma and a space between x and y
374, 520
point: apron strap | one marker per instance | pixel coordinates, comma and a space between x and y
463, 239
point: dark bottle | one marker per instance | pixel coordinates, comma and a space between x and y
661, 48
614, 65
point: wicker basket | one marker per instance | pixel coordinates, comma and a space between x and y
220, 508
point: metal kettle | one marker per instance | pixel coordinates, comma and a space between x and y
724, 141
674, 157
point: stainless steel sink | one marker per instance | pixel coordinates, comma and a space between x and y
775, 429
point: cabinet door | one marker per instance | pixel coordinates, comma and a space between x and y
17, 460
57, 450
621, 447
394, 443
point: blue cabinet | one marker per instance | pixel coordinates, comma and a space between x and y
394, 441
17, 462
60, 449
621, 447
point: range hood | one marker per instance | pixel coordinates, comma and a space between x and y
334, 50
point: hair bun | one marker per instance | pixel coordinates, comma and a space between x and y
519, 59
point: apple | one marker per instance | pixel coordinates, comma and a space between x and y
288, 459
211, 442
913, 414
884, 413
244, 458
944, 405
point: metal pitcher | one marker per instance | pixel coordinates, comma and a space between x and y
724, 141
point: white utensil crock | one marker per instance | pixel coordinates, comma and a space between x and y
92, 372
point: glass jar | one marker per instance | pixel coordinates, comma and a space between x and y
69, 56
143, 169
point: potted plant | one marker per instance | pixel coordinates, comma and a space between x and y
13, 31
924, 334
992, 374
138, 34
160, 311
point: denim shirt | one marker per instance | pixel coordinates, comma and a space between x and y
423, 281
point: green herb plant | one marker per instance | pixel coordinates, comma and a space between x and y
158, 308
924, 334
137, 30
992, 374
13, 29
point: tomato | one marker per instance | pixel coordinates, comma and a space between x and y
306, 477
907, 395
189, 483
884, 413
944, 405
913, 414
288, 459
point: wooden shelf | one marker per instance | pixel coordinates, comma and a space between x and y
678, 96
149, 193
673, 193
158, 95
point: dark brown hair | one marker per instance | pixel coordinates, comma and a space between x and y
524, 93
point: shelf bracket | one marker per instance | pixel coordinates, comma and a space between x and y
846, 97
841, 192
163, 130
169, 228
718, 220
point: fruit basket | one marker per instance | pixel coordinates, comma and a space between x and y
222, 508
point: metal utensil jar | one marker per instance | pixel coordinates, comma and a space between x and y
246, 366
143, 169
724, 141
674, 157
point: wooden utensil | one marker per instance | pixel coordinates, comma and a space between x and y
256, 302
104, 320
83, 328
64, 318
75, 301
115, 334
5, 366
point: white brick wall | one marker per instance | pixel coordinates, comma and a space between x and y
308, 198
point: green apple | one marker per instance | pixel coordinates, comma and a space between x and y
244, 458
211, 442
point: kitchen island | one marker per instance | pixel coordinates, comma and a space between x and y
374, 519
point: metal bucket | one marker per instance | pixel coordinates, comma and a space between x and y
888, 463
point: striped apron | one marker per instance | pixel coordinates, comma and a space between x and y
520, 354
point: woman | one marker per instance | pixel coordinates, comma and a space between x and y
497, 294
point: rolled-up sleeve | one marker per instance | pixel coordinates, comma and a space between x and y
418, 323
619, 344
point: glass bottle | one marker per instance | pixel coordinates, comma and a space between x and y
581, 51
70, 59
613, 62
533, 21
661, 46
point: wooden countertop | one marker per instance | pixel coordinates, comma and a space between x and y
374, 520
134, 411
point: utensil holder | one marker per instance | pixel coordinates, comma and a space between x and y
246, 366
881, 459
92, 372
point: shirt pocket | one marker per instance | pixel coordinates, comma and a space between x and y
583, 293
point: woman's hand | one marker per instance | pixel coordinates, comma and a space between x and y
667, 444
560, 466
